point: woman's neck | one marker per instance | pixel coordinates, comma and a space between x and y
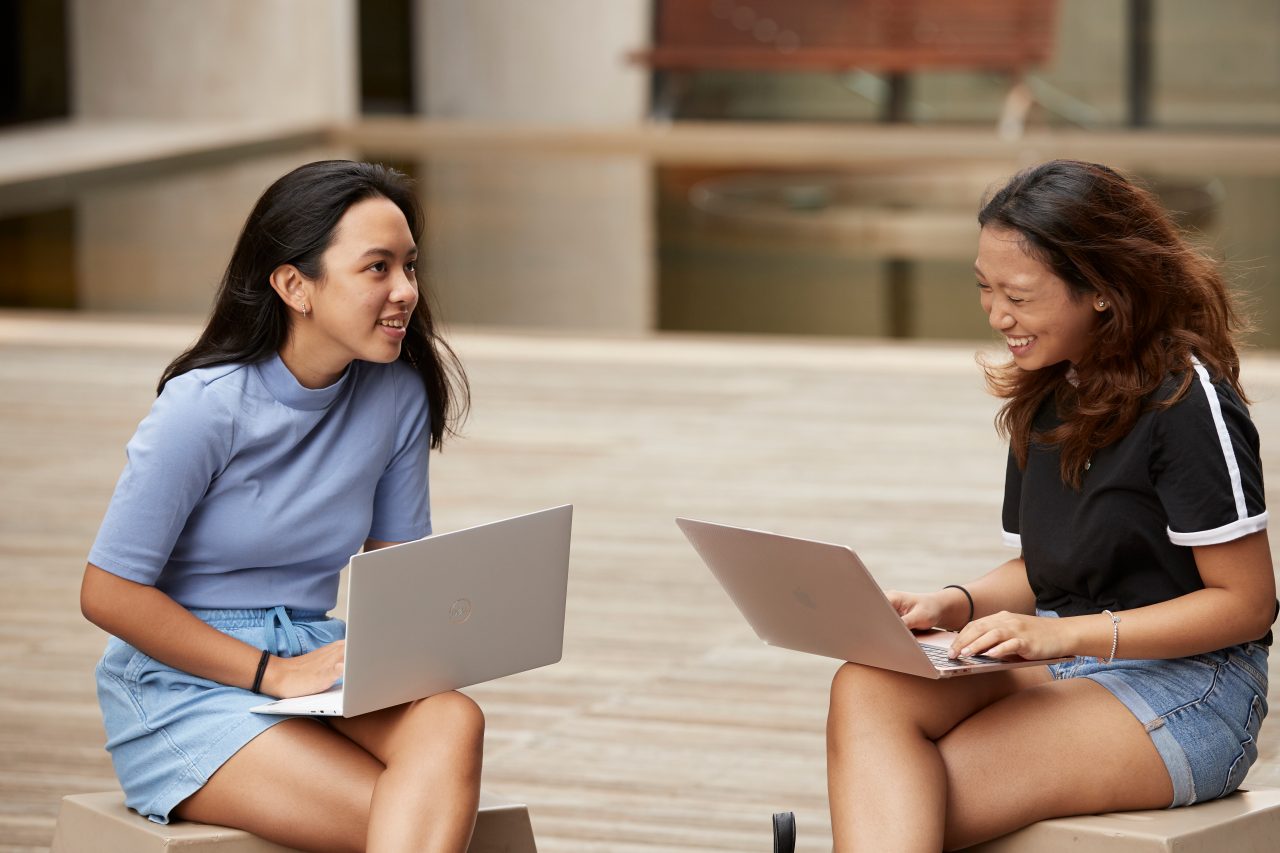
311, 370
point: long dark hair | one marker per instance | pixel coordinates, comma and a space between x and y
293, 223
1167, 303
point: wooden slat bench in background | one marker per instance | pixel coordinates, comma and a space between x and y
893, 37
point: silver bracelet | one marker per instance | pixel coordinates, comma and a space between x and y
1115, 633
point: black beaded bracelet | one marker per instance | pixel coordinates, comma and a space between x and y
966, 595
262, 669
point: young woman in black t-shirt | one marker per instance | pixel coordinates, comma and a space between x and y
1134, 493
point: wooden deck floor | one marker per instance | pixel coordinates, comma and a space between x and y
667, 726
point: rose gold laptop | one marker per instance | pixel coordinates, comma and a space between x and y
819, 598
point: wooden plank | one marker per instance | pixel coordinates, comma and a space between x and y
667, 726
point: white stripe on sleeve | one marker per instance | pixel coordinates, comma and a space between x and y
1224, 439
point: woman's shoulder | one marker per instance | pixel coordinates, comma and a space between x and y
208, 388
1195, 386
198, 379
1195, 402
214, 401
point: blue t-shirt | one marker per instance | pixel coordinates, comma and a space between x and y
243, 489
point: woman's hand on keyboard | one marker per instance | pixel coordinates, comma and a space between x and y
314, 672
1008, 635
921, 611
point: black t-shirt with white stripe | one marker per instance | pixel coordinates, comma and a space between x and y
1185, 475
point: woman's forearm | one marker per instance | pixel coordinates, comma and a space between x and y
1003, 588
1191, 624
1237, 605
159, 627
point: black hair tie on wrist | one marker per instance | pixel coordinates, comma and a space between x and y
966, 595
262, 669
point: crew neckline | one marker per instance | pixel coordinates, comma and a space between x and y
286, 388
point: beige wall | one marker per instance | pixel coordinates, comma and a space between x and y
159, 244
292, 60
543, 61
526, 240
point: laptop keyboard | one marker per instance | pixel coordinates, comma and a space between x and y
938, 657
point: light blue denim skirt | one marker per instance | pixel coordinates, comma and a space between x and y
168, 731
1202, 712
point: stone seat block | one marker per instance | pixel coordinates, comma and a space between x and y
1245, 822
100, 823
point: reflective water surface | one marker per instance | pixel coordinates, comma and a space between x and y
605, 242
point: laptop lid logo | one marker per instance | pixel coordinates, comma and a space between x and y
460, 611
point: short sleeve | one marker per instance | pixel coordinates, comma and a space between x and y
176, 452
1206, 466
401, 503
1011, 515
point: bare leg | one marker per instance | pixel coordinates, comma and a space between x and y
886, 780
427, 797
919, 765
406, 778
299, 784
1063, 748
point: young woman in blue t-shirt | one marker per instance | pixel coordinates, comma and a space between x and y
1135, 496
292, 434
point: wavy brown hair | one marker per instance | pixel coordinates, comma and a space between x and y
1167, 303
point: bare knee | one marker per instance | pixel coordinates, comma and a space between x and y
862, 690
849, 682
852, 688
457, 712
448, 718
867, 699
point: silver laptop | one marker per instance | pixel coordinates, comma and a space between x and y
819, 598
447, 611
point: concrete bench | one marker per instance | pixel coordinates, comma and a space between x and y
101, 823
1245, 822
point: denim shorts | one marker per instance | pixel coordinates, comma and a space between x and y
168, 731
1202, 712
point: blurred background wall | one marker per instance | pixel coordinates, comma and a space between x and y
548, 62
127, 126
285, 60
564, 62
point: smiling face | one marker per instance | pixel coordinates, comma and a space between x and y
360, 306
1043, 321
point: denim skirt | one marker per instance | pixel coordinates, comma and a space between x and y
168, 731
1202, 712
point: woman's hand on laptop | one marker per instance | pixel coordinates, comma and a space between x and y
314, 672
921, 611
1015, 635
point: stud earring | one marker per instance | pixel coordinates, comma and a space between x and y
1102, 305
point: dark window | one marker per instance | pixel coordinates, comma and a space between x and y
386, 57
33, 61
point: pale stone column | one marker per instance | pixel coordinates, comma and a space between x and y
159, 244
554, 241
558, 62
240, 60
